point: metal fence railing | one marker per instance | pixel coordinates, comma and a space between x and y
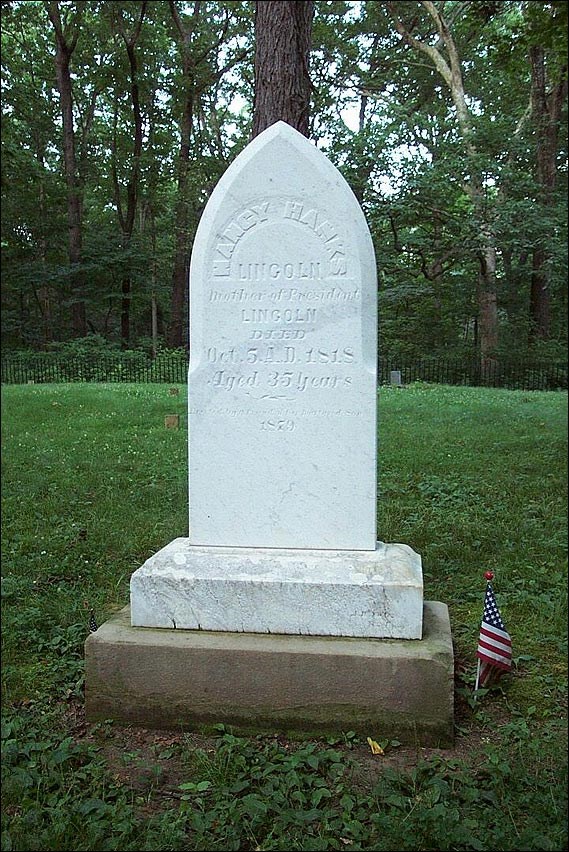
522, 374
44, 367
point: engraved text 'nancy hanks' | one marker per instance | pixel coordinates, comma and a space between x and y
279, 210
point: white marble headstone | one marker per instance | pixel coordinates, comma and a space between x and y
282, 417
282, 380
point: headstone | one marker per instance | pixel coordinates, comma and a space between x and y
282, 403
395, 378
282, 416
282, 382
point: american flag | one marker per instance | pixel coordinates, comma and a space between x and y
494, 644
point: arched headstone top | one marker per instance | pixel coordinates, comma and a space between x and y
281, 146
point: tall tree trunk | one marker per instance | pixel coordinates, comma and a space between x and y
64, 49
200, 71
437, 268
175, 335
181, 254
44, 294
148, 213
539, 297
154, 318
127, 220
283, 31
487, 305
546, 114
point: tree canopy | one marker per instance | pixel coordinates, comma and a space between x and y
448, 119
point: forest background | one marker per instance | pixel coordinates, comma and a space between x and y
448, 120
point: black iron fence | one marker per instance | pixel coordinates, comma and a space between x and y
43, 367
473, 371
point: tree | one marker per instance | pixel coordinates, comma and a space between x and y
282, 50
97, 222
30, 188
201, 36
130, 34
548, 96
66, 35
449, 67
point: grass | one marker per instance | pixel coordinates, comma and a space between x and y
93, 483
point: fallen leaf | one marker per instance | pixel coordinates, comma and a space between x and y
375, 747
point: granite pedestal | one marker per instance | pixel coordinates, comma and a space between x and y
171, 678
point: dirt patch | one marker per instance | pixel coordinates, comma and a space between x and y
157, 762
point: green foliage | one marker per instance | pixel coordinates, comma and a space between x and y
57, 793
37, 294
93, 484
379, 109
254, 794
258, 793
94, 359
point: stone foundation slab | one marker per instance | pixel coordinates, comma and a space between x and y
166, 678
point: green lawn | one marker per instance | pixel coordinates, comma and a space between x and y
93, 483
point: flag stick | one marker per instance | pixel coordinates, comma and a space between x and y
488, 576
477, 680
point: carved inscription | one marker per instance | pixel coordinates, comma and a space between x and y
279, 210
263, 315
316, 222
276, 271
282, 307
297, 381
329, 296
249, 218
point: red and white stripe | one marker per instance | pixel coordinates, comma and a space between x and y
495, 646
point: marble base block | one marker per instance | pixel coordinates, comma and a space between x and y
374, 594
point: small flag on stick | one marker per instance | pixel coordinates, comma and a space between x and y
494, 644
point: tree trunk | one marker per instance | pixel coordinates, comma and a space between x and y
44, 294
131, 193
487, 305
154, 322
64, 51
147, 212
180, 271
127, 221
546, 113
283, 30
539, 298
175, 335
195, 61
153, 300
79, 323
